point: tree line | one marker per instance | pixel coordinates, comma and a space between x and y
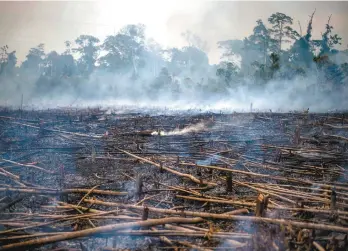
274, 51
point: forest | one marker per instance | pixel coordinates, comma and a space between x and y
131, 66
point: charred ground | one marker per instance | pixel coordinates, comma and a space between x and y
245, 181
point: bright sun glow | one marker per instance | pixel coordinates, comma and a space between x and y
154, 14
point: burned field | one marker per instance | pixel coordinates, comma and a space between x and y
101, 180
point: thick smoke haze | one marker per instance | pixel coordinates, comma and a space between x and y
114, 91
196, 84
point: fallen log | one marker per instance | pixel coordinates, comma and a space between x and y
63, 191
184, 175
27, 165
98, 230
226, 217
252, 204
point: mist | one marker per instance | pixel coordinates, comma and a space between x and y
110, 90
130, 69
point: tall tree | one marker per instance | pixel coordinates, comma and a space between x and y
88, 49
35, 59
281, 29
68, 48
253, 50
135, 34
124, 50
260, 41
333, 73
188, 59
11, 63
57, 65
68, 61
154, 55
3, 59
239, 52
301, 52
328, 40
3, 53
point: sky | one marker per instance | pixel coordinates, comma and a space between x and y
26, 24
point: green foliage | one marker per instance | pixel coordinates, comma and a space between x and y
265, 72
328, 41
275, 65
188, 59
227, 72
163, 80
34, 59
263, 57
281, 29
88, 49
261, 41
124, 50
344, 68
68, 48
260, 72
59, 65
8, 61
333, 74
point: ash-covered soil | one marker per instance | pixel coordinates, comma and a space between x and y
72, 179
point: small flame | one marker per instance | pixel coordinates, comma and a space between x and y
160, 133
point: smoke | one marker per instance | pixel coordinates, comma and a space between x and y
110, 90
193, 128
189, 129
194, 87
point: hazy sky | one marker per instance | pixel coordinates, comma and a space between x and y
26, 24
